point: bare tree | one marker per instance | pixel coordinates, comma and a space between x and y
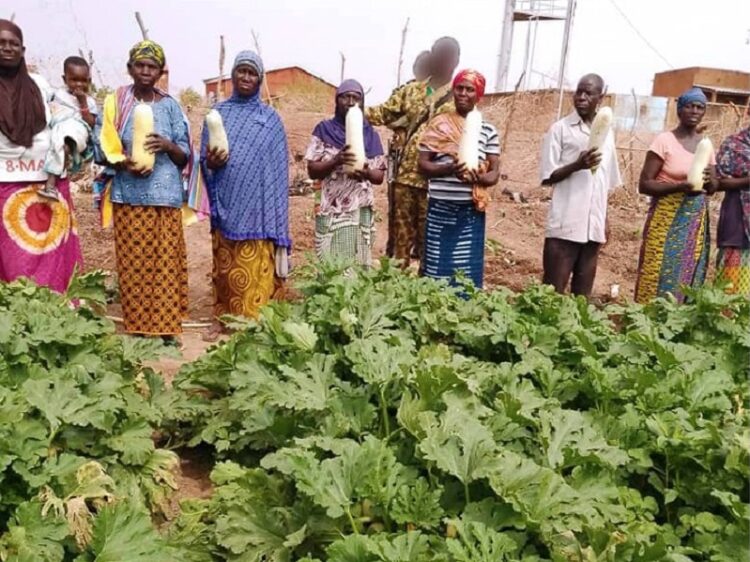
401, 51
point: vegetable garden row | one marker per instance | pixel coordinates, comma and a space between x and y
382, 417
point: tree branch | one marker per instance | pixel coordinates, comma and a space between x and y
401, 51
139, 19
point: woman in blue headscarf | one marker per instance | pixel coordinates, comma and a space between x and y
675, 247
248, 189
344, 221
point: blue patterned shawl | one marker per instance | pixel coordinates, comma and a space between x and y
249, 196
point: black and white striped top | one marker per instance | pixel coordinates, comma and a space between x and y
450, 188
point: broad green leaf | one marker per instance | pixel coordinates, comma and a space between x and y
410, 547
460, 445
378, 362
302, 334
59, 400
123, 532
570, 439
258, 533
418, 504
351, 548
478, 543
133, 442
33, 538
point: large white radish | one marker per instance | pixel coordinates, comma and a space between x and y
217, 135
599, 130
355, 138
143, 126
468, 147
701, 158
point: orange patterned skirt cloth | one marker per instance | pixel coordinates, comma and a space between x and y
151, 269
244, 275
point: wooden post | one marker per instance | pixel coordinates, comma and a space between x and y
256, 41
92, 64
401, 51
139, 19
343, 65
636, 109
220, 86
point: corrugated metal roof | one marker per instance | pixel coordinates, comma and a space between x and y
723, 90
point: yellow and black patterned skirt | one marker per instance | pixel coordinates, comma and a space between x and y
244, 275
151, 269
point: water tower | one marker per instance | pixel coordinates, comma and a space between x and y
531, 13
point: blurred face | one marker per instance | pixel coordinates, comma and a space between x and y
347, 100
422, 67
692, 114
77, 78
464, 96
444, 58
245, 80
11, 50
587, 97
145, 72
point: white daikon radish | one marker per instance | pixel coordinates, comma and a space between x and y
701, 158
217, 135
355, 138
468, 148
143, 126
599, 130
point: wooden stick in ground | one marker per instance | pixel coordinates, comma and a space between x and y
256, 41
219, 88
139, 19
401, 51
92, 64
343, 65
631, 170
509, 121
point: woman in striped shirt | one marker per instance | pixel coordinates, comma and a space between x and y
454, 241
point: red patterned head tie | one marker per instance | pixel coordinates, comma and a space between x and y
474, 77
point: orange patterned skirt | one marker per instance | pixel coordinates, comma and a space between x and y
244, 275
151, 269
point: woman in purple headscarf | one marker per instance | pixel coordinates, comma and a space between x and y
344, 222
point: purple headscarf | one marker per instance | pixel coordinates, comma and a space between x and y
333, 131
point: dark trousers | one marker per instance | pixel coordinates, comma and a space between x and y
563, 258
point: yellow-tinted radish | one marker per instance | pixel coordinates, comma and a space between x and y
143, 126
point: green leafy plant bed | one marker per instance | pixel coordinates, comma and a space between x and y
80, 476
388, 418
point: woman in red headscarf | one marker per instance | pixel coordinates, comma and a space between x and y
457, 196
38, 237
